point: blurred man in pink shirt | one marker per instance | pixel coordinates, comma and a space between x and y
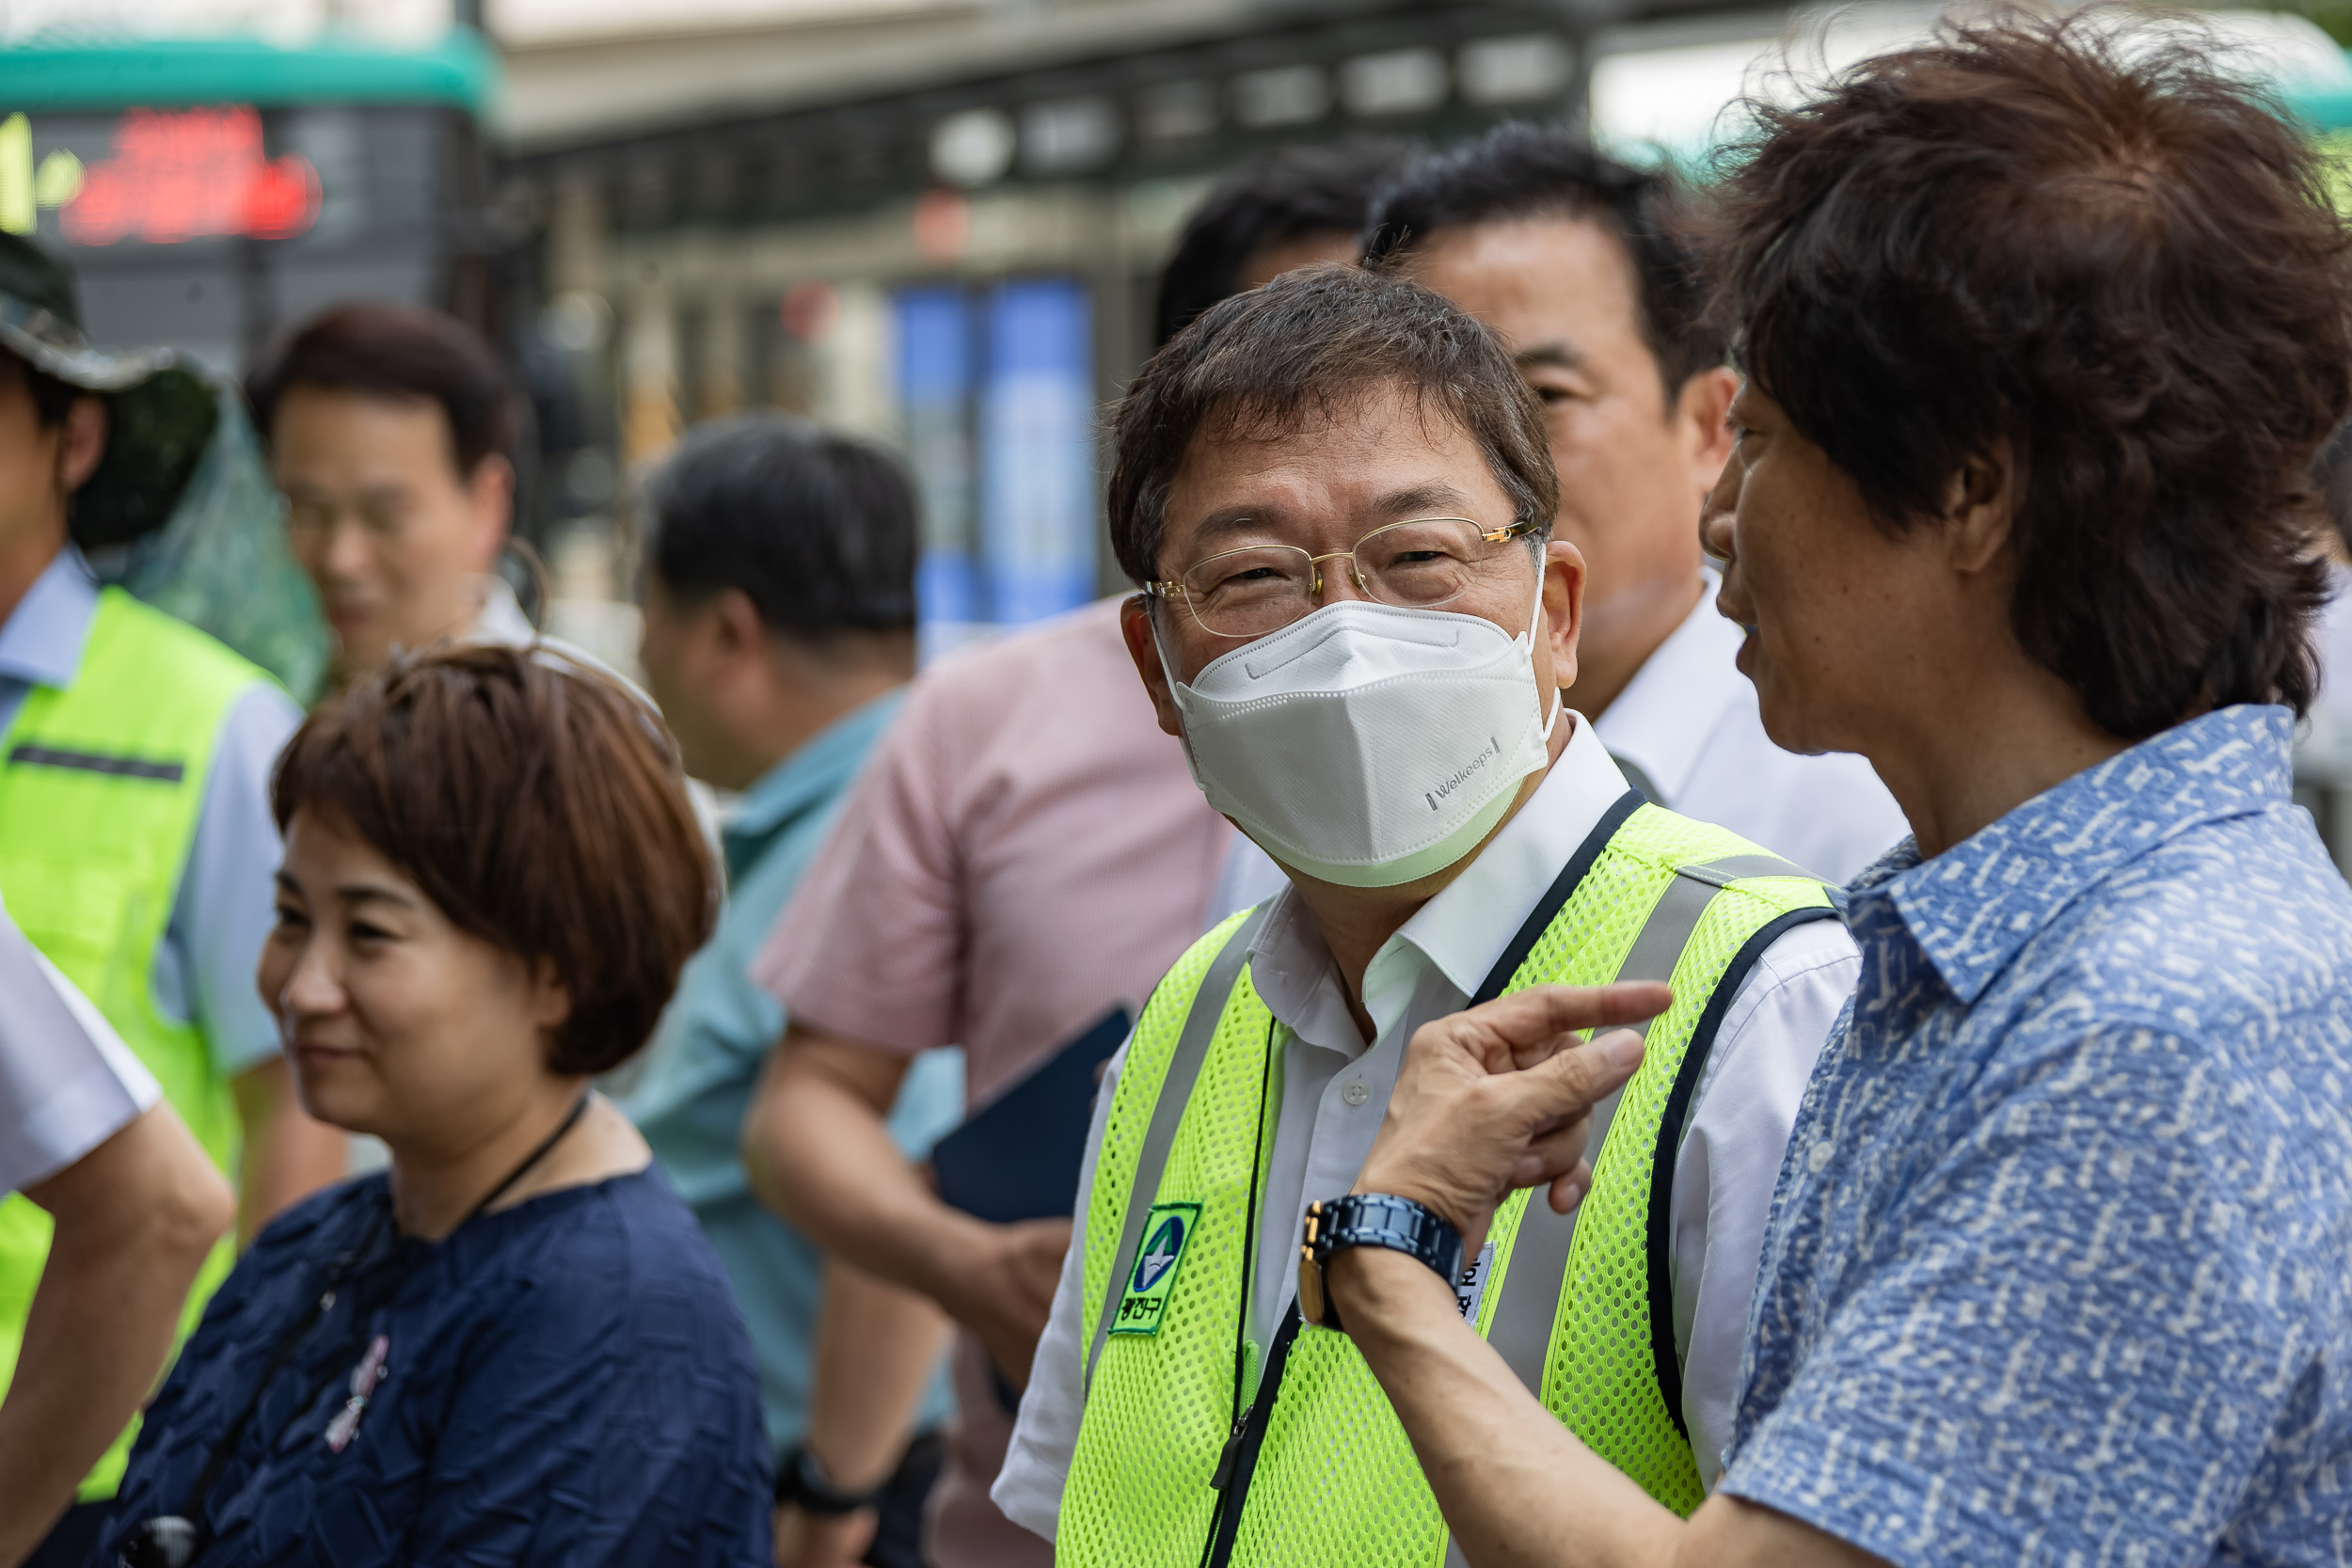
1023, 847
1025, 852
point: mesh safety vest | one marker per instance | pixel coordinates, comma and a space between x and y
1178, 1464
99, 788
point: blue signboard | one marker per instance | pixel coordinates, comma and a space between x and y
996, 396
1036, 447
934, 344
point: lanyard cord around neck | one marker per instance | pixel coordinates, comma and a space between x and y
1248, 1262
546, 1147
336, 1272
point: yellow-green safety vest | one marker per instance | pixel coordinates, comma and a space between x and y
101, 783
1316, 1468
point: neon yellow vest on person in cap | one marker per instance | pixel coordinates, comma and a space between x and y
101, 784
1320, 1471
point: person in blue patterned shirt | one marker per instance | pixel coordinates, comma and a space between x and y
2042, 323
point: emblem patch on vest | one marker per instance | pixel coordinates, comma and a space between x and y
1166, 1231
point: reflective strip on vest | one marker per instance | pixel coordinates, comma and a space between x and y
101, 786
1192, 1048
1334, 1481
1524, 1317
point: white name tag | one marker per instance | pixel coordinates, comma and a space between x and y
1470, 1287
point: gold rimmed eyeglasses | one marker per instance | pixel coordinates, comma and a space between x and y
1421, 564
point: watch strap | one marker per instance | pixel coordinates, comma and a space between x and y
802, 1483
1370, 1219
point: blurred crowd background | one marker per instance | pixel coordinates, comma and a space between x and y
946, 228
938, 222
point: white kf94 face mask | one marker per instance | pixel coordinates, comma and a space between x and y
1368, 744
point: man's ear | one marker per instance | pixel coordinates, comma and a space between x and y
1704, 411
1135, 625
490, 501
733, 624
1979, 508
1564, 608
85, 443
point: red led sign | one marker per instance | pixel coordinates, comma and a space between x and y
182, 174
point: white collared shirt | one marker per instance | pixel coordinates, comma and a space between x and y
503, 621
1333, 1091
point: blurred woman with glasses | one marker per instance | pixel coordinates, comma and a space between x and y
516, 1346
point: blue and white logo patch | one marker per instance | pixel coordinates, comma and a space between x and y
1166, 1231
1161, 1252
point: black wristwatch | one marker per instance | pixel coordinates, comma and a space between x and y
802, 1483
1370, 1219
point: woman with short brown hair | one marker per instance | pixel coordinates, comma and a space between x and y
516, 1346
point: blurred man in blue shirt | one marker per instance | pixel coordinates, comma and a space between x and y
779, 630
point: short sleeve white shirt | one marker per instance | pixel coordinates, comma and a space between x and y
67, 1081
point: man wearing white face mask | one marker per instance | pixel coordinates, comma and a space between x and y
1337, 493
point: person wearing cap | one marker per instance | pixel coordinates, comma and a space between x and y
84, 1134
135, 841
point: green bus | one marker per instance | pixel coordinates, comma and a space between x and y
208, 190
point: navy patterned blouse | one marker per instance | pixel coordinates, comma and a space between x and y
2060, 1261
565, 1382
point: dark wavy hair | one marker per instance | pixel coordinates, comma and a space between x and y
539, 804
2084, 239
1300, 349
1280, 195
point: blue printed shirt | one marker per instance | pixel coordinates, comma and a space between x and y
715, 1035
2061, 1255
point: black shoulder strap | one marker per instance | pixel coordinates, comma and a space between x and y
1661, 1181
1556, 897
